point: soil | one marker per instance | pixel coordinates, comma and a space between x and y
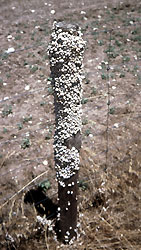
109, 190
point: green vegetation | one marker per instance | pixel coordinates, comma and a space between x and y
45, 185
25, 143
122, 75
1, 81
7, 110
111, 52
139, 78
118, 43
8, 75
93, 91
87, 132
112, 110
20, 126
100, 42
43, 103
84, 121
33, 68
27, 119
125, 59
5, 130
83, 185
84, 100
48, 135
49, 79
104, 76
50, 90
4, 56
18, 37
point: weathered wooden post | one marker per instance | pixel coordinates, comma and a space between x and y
66, 51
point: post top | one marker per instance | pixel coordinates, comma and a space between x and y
66, 26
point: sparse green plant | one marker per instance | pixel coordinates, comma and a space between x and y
87, 81
5, 130
112, 17
17, 31
1, 81
118, 43
93, 91
104, 76
136, 31
85, 28
139, 78
25, 63
84, 121
136, 67
50, 90
45, 57
25, 143
129, 21
119, 34
122, 74
7, 110
33, 35
42, 103
46, 31
135, 70
25, 26
105, 31
100, 42
112, 110
4, 56
137, 39
39, 40
83, 185
8, 75
95, 23
41, 75
84, 100
87, 132
45, 185
29, 54
103, 65
125, 59
49, 79
18, 37
112, 75
20, 126
48, 136
27, 119
33, 68
95, 35
111, 52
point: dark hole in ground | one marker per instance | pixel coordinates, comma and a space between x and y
43, 204
99, 200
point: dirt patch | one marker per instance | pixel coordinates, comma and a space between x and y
109, 189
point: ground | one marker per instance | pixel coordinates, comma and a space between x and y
111, 142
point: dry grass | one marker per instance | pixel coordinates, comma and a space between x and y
108, 213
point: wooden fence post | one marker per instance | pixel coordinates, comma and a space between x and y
66, 51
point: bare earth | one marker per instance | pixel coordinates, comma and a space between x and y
110, 157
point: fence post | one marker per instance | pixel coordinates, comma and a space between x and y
66, 51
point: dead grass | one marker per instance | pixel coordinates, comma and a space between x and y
108, 213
